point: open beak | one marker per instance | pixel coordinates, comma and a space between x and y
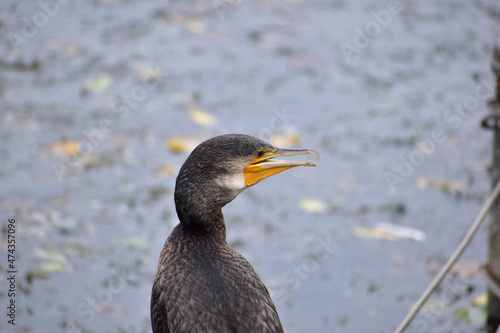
266, 166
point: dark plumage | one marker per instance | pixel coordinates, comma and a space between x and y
202, 284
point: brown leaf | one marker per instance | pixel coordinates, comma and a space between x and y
466, 269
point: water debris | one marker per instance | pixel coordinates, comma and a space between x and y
64, 148
466, 269
201, 117
480, 300
312, 205
49, 255
195, 26
53, 266
182, 144
71, 48
166, 171
476, 316
98, 84
425, 147
389, 231
36, 274
144, 71
107, 308
20, 65
451, 185
431, 305
133, 243
52, 261
285, 140
441, 184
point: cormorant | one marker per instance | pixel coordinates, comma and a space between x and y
202, 284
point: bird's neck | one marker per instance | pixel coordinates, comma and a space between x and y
209, 222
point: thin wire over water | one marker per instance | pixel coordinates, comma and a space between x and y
451, 261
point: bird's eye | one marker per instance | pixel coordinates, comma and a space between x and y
259, 153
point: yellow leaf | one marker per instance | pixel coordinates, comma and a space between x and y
195, 26
49, 255
65, 147
53, 266
201, 117
284, 140
441, 184
52, 261
98, 84
450, 185
425, 147
312, 205
165, 171
181, 145
372, 233
480, 300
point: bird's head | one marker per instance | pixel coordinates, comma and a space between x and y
220, 168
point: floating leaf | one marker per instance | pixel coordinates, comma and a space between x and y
98, 84
64, 147
145, 72
49, 255
284, 140
312, 205
425, 147
389, 231
181, 144
195, 26
442, 184
36, 274
53, 266
132, 243
450, 185
372, 233
401, 231
201, 117
421, 183
111, 308
480, 300
466, 269
52, 261
165, 171
65, 45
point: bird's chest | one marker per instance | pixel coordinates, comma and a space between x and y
217, 286
217, 274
